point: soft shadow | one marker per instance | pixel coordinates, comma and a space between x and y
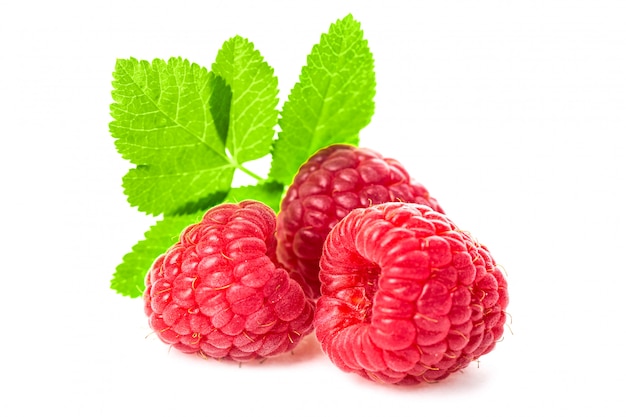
307, 350
469, 378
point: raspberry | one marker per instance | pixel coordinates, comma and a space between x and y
407, 297
220, 292
333, 182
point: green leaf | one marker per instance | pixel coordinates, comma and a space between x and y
164, 123
202, 204
332, 101
269, 193
220, 108
129, 276
159, 189
253, 109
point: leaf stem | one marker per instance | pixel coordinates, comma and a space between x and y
250, 173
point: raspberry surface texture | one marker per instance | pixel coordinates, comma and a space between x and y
220, 292
406, 296
333, 182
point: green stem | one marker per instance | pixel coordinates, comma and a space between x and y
250, 173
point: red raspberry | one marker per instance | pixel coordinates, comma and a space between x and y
220, 292
333, 182
407, 297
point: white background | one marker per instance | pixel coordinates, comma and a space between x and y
513, 114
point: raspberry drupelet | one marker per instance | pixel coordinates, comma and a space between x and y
333, 182
219, 291
406, 296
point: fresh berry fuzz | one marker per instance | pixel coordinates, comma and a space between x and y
333, 182
219, 291
407, 297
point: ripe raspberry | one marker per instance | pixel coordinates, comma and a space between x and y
407, 297
333, 182
220, 292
